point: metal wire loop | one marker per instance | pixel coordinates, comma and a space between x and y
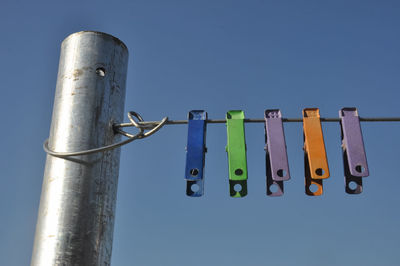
131, 137
132, 114
130, 117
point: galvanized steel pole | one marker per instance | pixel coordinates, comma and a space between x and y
77, 206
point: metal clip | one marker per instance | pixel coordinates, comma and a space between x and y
354, 158
195, 153
236, 149
277, 166
315, 161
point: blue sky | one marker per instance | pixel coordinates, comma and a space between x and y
216, 56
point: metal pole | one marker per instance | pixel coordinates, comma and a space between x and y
77, 206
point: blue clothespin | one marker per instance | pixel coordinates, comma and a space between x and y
195, 153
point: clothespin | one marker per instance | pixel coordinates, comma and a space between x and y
354, 158
236, 149
315, 162
195, 153
277, 166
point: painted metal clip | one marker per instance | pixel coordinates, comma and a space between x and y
236, 149
354, 158
195, 153
277, 166
315, 162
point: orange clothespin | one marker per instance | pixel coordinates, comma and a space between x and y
315, 162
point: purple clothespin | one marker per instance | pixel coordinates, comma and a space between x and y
277, 166
354, 158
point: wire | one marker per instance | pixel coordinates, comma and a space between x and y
154, 126
140, 135
260, 120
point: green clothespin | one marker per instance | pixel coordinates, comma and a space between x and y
236, 149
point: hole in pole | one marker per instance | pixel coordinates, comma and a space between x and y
101, 71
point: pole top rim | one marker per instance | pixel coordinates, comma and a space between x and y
97, 33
